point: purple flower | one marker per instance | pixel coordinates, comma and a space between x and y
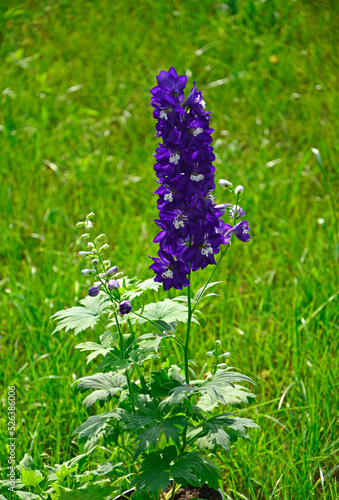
170, 272
112, 270
125, 307
241, 231
201, 253
113, 284
191, 228
94, 291
236, 211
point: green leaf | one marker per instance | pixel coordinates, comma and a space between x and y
95, 425
209, 473
141, 287
65, 471
107, 384
26, 495
88, 492
103, 349
31, 477
162, 313
194, 469
106, 469
27, 462
201, 293
153, 475
220, 388
80, 318
184, 471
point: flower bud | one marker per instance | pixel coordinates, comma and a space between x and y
95, 262
83, 254
223, 183
226, 355
94, 291
222, 207
113, 284
87, 271
210, 354
239, 189
218, 342
125, 307
112, 270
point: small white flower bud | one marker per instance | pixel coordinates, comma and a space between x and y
226, 355
210, 354
239, 189
83, 254
218, 342
222, 365
87, 271
223, 183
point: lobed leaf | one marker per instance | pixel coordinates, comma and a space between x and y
81, 318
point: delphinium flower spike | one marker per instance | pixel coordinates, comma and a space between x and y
191, 228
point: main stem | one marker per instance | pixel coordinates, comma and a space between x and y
189, 320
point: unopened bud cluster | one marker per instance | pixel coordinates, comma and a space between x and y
101, 270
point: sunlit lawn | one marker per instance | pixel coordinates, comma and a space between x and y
77, 135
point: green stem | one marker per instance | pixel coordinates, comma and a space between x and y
189, 320
173, 490
122, 350
222, 252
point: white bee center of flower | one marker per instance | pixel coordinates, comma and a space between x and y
203, 104
197, 178
245, 231
206, 249
163, 114
167, 274
174, 158
179, 221
198, 131
168, 197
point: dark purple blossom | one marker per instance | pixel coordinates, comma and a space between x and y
94, 291
241, 230
191, 228
112, 270
125, 307
170, 272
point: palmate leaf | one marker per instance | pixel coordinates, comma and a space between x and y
95, 424
233, 396
194, 469
168, 426
82, 317
162, 313
107, 339
221, 388
107, 384
153, 475
141, 287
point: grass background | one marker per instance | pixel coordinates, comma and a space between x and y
77, 135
